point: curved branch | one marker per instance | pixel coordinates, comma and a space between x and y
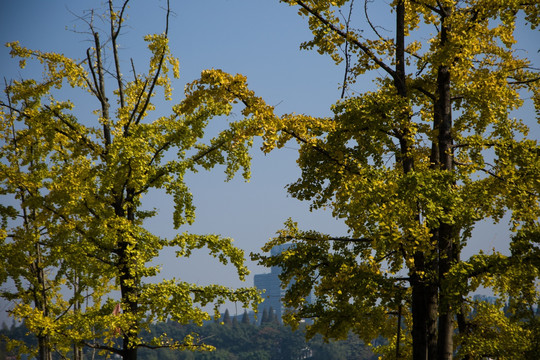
498, 177
369, 20
114, 35
339, 239
163, 171
520, 82
324, 152
84, 138
349, 38
156, 76
103, 347
346, 51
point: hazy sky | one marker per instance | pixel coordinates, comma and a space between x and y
258, 38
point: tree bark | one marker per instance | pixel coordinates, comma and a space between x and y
44, 346
40, 293
445, 232
419, 314
129, 284
424, 294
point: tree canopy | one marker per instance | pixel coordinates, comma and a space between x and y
412, 167
73, 239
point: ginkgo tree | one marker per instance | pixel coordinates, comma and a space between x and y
412, 167
73, 235
31, 258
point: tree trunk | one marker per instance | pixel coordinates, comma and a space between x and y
445, 232
44, 349
40, 301
432, 308
424, 294
77, 349
419, 313
128, 292
129, 285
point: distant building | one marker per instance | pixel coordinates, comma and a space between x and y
272, 286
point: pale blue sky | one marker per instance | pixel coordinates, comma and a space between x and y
258, 38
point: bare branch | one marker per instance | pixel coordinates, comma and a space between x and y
424, 91
350, 38
521, 82
134, 73
211, 149
103, 97
162, 148
346, 51
369, 21
339, 239
95, 88
158, 72
114, 35
103, 347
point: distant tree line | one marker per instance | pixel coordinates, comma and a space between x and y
235, 338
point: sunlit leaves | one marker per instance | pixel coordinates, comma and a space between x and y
493, 334
399, 173
80, 181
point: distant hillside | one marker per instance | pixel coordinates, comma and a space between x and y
235, 338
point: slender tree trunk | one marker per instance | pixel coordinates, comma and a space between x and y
77, 349
432, 308
39, 291
462, 325
128, 285
128, 290
446, 315
446, 232
419, 313
44, 346
423, 293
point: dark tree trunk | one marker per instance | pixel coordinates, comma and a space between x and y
419, 313
445, 232
129, 287
128, 290
424, 294
41, 303
44, 349
77, 348
432, 308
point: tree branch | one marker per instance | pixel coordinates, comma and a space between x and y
85, 139
323, 151
101, 86
348, 37
103, 347
346, 51
498, 177
339, 239
156, 76
114, 35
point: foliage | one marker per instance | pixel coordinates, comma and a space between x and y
76, 184
412, 167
